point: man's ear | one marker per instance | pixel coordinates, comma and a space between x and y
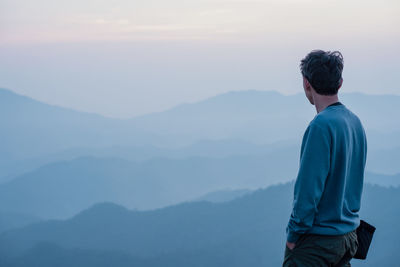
340, 83
307, 84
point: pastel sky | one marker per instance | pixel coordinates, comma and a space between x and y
124, 58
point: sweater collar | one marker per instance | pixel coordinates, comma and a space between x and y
335, 104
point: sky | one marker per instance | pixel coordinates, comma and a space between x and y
125, 58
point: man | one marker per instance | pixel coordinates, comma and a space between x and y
327, 192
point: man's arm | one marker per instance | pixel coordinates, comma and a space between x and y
309, 186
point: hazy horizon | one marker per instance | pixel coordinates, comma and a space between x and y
185, 102
124, 58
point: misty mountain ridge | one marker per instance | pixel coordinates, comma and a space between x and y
223, 195
246, 231
11, 220
230, 115
251, 117
126, 173
202, 148
150, 184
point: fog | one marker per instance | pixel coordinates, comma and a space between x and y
168, 133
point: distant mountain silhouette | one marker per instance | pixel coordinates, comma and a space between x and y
32, 129
202, 148
385, 161
10, 220
383, 180
223, 195
268, 116
247, 231
62, 189
258, 117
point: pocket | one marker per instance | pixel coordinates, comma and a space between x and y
288, 249
329, 243
299, 242
288, 252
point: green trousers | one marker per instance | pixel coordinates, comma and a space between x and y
313, 250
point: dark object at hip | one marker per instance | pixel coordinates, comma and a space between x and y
365, 232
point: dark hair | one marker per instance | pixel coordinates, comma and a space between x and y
323, 70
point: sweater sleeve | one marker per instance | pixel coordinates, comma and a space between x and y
313, 170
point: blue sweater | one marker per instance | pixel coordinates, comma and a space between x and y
327, 192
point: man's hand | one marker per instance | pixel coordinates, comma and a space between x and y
290, 245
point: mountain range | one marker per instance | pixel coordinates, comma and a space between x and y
195, 185
62, 189
246, 231
35, 133
241, 139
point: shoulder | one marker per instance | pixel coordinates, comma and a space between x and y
320, 123
317, 128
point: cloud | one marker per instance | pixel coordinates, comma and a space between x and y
185, 19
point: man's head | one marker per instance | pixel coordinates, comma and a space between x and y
322, 71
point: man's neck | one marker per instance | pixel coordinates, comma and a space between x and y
322, 101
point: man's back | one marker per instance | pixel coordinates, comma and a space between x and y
329, 184
337, 210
